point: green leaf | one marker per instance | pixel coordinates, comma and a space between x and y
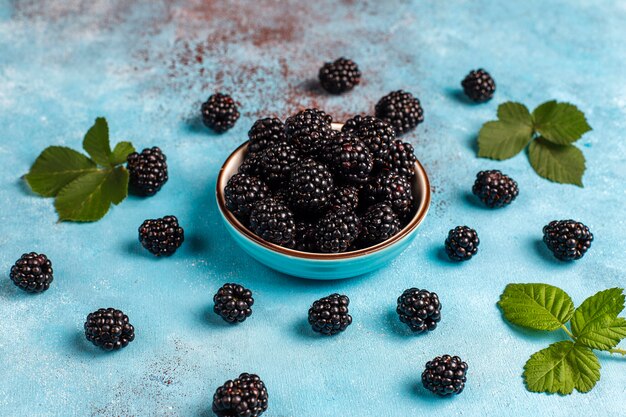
564, 164
561, 367
595, 322
96, 142
506, 137
536, 306
56, 167
604, 334
121, 152
560, 123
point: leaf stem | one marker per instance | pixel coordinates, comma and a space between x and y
568, 332
618, 351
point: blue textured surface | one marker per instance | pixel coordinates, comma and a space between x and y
147, 65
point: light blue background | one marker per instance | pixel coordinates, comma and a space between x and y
147, 65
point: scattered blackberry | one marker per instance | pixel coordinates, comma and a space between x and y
376, 134
272, 221
245, 396
219, 112
233, 303
109, 329
445, 375
310, 186
494, 188
337, 230
345, 196
567, 239
392, 189
251, 165
266, 132
351, 159
339, 76
329, 315
419, 309
305, 236
478, 85
401, 159
32, 272
308, 129
161, 236
462, 243
147, 171
401, 110
275, 163
379, 223
241, 192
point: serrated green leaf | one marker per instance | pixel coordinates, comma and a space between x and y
506, 137
595, 322
117, 185
512, 112
536, 306
56, 167
96, 142
604, 334
564, 164
120, 153
560, 123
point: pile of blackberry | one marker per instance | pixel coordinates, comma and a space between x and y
305, 186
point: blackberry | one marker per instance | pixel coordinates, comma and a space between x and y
351, 159
266, 132
419, 309
567, 239
393, 189
379, 223
308, 129
109, 329
345, 196
445, 375
272, 221
245, 396
147, 171
161, 236
401, 110
219, 112
339, 76
329, 315
401, 159
32, 272
337, 230
494, 188
479, 86
376, 134
462, 243
251, 165
275, 163
241, 192
233, 303
305, 236
310, 186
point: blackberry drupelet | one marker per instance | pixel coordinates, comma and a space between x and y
392, 189
161, 236
329, 315
241, 192
379, 223
495, 189
401, 110
401, 159
337, 230
419, 309
266, 132
233, 303
339, 76
305, 236
32, 272
147, 171
376, 134
308, 130
351, 159
479, 86
462, 243
245, 396
310, 187
219, 112
272, 221
109, 329
568, 240
445, 375
275, 163
345, 196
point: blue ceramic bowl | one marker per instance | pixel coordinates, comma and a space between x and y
320, 265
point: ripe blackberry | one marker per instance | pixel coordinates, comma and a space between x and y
275, 163
376, 134
109, 329
308, 129
329, 315
266, 132
245, 396
310, 187
241, 192
351, 159
479, 86
494, 188
305, 236
379, 223
462, 243
161, 236
345, 196
337, 230
32, 272
393, 189
445, 375
419, 309
233, 303
272, 221
219, 112
567, 239
251, 165
147, 171
339, 76
401, 110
